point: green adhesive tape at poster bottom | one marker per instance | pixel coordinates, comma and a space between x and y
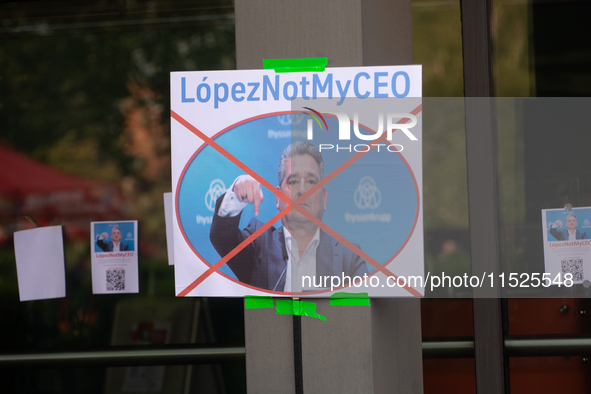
301, 308
258, 302
296, 65
344, 298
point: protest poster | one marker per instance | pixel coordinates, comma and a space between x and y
114, 257
567, 245
350, 193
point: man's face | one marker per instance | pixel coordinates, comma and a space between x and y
116, 235
571, 223
301, 173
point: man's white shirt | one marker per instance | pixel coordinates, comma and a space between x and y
298, 267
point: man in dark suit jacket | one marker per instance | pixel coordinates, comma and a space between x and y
299, 246
568, 233
114, 245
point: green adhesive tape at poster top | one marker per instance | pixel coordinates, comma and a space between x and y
317, 64
258, 302
344, 298
301, 308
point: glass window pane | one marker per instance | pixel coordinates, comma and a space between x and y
84, 114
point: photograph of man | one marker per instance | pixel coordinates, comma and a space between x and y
570, 233
280, 257
115, 245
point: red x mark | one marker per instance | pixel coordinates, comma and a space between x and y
295, 204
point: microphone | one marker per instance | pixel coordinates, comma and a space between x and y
285, 258
279, 280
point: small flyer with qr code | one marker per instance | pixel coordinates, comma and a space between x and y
114, 259
567, 243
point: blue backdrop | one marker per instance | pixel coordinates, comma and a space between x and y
373, 203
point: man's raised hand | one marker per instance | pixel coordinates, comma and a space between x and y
248, 189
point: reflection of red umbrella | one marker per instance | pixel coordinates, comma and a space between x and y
30, 188
21, 176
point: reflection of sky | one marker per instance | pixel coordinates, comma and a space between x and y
582, 214
255, 146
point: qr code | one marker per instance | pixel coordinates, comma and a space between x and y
115, 280
575, 267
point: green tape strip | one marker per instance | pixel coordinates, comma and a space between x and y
284, 307
258, 302
301, 308
344, 298
309, 309
317, 64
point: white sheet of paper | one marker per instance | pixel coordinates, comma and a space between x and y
168, 221
40, 264
114, 271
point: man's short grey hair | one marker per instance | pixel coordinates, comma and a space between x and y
571, 214
116, 227
298, 148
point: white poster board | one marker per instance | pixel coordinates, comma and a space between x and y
168, 223
227, 124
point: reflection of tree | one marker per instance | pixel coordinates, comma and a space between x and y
437, 45
94, 103
144, 135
